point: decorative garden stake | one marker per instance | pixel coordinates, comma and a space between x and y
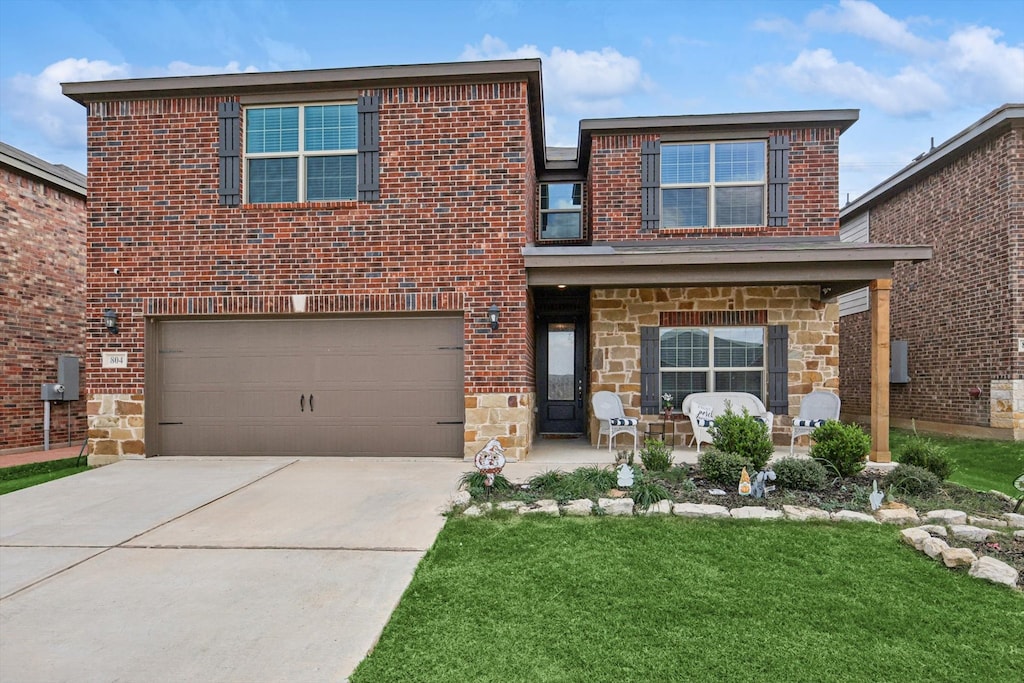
625, 476
761, 489
744, 489
876, 497
490, 460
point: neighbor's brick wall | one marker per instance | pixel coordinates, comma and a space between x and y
614, 189
962, 311
455, 211
42, 306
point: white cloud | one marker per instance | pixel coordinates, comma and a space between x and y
984, 67
782, 26
865, 19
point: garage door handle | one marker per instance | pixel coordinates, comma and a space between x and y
302, 403
311, 403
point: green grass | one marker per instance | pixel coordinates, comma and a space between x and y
980, 464
31, 474
666, 599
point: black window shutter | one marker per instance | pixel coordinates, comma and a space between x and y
778, 369
650, 185
229, 115
778, 181
368, 109
650, 370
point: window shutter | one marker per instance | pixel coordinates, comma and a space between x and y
650, 370
778, 369
368, 150
778, 181
650, 185
229, 115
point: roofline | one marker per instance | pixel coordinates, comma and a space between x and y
44, 171
994, 123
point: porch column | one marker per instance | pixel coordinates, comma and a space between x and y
880, 290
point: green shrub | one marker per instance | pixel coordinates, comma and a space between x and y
800, 473
743, 435
474, 483
677, 474
645, 492
911, 480
656, 455
585, 482
546, 481
844, 447
724, 469
927, 454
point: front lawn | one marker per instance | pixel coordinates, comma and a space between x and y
669, 599
31, 474
980, 464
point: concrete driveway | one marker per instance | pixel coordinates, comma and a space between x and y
212, 569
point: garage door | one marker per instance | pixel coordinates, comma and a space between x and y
370, 386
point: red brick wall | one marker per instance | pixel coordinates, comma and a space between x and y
455, 211
614, 183
42, 305
962, 311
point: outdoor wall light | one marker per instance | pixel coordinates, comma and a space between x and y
110, 320
492, 316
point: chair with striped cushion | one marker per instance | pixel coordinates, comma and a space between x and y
612, 418
816, 409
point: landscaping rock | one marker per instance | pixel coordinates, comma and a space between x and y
698, 510
897, 516
991, 569
851, 516
987, 522
511, 505
946, 516
581, 507
477, 510
662, 507
755, 512
955, 558
1018, 535
933, 547
1001, 496
935, 529
459, 498
915, 537
802, 514
965, 532
616, 507
541, 507
616, 493
1014, 520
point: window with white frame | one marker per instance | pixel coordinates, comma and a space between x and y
695, 359
713, 184
561, 210
301, 153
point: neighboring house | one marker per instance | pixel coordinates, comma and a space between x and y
388, 261
42, 297
961, 315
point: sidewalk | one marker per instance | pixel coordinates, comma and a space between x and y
12, 459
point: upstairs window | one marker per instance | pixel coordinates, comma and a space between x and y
561, 210
300, 153
713, 184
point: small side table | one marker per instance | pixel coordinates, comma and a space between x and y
666, 431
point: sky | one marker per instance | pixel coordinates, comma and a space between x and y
916, 70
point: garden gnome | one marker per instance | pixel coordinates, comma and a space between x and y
625, 476
744, 483
876, 497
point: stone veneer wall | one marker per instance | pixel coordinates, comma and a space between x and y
618, 314
1007, 406
116, 427
508, 417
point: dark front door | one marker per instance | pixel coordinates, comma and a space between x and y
561, 375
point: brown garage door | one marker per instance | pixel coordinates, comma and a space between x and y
368, 386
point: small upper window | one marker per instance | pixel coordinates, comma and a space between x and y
561, 206
300, 153
718, 184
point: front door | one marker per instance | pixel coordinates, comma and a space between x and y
561, 374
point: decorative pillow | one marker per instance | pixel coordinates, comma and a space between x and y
623, 422
703, 412
799, 422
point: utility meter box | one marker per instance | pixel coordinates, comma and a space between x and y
53, 391
67, 374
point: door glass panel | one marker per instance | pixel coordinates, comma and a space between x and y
561, 360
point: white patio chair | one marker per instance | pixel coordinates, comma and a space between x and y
816, 408
612, 418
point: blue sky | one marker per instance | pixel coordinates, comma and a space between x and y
916, 70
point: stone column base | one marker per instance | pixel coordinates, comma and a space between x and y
116, 427
1006, 409
509, 418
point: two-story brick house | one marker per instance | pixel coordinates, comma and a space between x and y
388, 260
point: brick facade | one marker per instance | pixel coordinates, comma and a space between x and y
42, 270
962, 312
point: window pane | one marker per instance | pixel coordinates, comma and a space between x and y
739, 162
273, 180
683, 164
682, 384
560, 196
561, 362
684, 208
272, 130
330, 178
739, 206
739, 347
683, 347
560, 226
745, 380
330, 127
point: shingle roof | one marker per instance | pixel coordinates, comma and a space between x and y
56, 174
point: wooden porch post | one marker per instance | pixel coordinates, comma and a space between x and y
880, 290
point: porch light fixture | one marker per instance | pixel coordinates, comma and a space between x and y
110, 320
492, 316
